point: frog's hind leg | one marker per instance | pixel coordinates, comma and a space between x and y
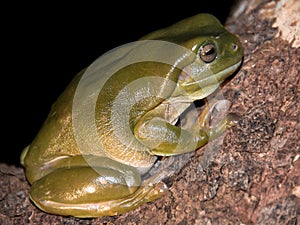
92, 191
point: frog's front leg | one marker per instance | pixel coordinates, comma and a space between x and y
207, 116
103, 187
163, 138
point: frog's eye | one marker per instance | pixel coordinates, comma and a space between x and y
234, 47
208, 53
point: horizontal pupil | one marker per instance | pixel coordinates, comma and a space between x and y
210, 51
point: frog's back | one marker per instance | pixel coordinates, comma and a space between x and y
199, 25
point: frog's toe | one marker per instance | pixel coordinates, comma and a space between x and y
232, 119
156, 191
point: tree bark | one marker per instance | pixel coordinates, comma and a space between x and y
254, 175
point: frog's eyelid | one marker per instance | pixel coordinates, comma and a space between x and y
194, 47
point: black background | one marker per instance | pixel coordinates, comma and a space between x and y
45, 45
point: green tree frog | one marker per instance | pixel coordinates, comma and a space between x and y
108, 181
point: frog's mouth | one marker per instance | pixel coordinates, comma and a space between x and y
209, 78
207, 83
220, 76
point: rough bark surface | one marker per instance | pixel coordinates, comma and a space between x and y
254, 175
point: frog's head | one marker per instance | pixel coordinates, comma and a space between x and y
216, 53
217, 56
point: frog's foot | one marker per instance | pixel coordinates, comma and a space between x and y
142, 195
91, 192
215, 119
227, 122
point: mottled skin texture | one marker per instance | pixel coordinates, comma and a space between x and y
67, 182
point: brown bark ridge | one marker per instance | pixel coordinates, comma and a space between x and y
254, 175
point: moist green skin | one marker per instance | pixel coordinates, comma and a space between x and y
108, 182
